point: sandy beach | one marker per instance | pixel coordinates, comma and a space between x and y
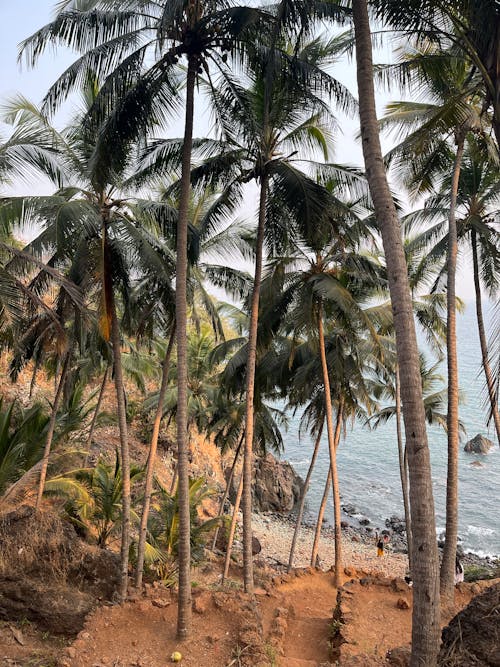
275, 536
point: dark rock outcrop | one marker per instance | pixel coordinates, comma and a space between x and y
48, 575
277, 486
478, 445
473, 635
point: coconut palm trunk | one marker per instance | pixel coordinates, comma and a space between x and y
490, 383
96, 413
150, 467
250, 388
184, 551
226, 491
319, 522
302, 502
333, 439
403, 472
124, 449
426, 614
232, 528
52, 425
450, 546
36, 366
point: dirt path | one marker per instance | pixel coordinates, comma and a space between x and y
297, 619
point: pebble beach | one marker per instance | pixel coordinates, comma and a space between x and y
275, 535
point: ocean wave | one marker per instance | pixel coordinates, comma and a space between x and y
479, 530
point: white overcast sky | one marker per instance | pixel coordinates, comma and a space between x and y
20, 19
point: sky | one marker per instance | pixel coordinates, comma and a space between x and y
19, 20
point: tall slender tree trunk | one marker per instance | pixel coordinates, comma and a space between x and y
450, 545
96, 413
226, 491
36, 366
250, 389
490, 383
403, 473
321, 514
232, 529
333, 436
150, 466
124, 449
426, 616
52, 425
184, 551
305, 488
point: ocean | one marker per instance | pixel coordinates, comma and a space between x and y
368, 460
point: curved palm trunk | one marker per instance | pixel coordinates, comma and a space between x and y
150, 467
36, 366
403, 471
124, 449
450, 546
321, 514
232, 529
96, 413
300, 512
426, 621
490, 383
250, 387
184, 551
333, 439
51, 427
226, 492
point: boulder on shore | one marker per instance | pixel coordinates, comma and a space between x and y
478, 445
276, 487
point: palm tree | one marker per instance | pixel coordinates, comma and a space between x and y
451, 117
471, 26
322, 280
264, 126
425, 626
137, 98
81, 223
477, 204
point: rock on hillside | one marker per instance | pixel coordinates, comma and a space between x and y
478, 445
48, 575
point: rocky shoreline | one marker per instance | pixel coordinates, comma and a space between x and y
361, 537
276, 492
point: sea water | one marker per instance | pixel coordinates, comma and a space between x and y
368, 459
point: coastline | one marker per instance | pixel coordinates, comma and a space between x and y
275, 533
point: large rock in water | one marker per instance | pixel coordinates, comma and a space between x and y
478, 445
277, 486
473, 635
48, 575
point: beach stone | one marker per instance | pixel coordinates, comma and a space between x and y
402, 604
396, 524
478, 445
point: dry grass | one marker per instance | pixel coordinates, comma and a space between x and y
37, 544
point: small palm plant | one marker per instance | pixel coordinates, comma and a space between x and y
21, 441
163, 528
94, 497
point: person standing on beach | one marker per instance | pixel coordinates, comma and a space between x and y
380, 545
381, 541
